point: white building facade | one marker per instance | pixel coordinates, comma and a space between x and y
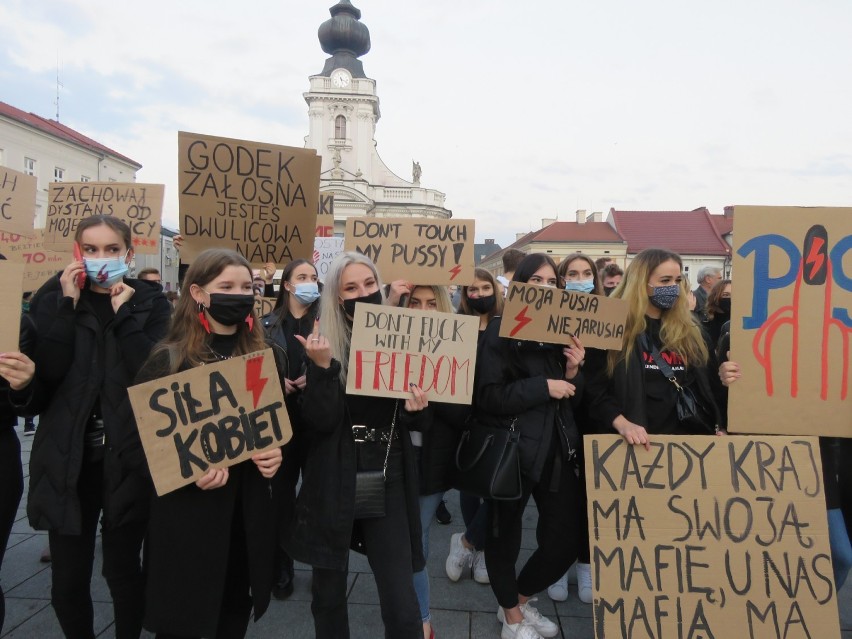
343, 108
53, 152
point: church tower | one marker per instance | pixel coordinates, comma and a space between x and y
343, 108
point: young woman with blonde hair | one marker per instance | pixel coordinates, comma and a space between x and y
345, 434
630, 393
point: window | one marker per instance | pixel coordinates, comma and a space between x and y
58, 174
340, 127
85, 178
29, 166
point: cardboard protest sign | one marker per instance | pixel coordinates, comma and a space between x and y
11, 291
17, 201
211, 416
393, 347
140, 205
709, 537
257, 199
552, 315
419, 250
325, 215
263, 305
791, 323
39, 263
325, 250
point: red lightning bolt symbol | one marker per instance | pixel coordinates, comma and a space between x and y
254, 382
522, 319
814, 257
455, 271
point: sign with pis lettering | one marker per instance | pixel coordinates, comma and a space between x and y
551, 315
258, 199
704, 536
17, 201
791, 323
40, 264
211, 416
418, 250
140, 205
11, 291
393, 347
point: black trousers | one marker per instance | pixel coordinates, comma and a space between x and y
556, 536
72, 560
388, 545
11, 489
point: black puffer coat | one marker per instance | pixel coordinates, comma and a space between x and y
77, 363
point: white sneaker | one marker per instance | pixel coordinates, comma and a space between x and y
584, 582
559, 590
522, 630
542, 625
458, 559
480, 572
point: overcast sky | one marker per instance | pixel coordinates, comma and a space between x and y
516, 110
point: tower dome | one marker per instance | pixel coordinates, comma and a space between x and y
346, 38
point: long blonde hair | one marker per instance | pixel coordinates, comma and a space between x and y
679, 332
186, 341
333, 322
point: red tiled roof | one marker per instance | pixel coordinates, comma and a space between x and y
723, 224
566, 232
54, 128
684, 232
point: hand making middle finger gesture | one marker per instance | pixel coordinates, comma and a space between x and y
317, 347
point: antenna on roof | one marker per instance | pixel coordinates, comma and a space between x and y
58, 86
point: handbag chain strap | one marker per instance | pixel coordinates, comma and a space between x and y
390, 441
662, 365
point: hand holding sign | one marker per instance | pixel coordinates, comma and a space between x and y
268, 462
317, 348
417, 401
215, 478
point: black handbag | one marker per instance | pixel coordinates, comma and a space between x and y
691, 413
487, 462
370, 484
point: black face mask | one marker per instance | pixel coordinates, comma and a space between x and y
372, 298
482, 305
608, 290
725, 305
228, 309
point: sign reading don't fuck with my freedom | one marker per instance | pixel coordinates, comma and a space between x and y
211, 416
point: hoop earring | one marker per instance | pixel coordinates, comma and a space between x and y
203, 318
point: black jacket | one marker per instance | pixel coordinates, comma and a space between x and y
190, 538
324, 525
78, 362
624, 393
440, 440
511, 383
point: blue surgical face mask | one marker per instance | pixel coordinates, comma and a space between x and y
581, 286
664, 297
307, 292
106, 271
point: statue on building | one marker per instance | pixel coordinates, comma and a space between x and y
336, 158
416, 171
